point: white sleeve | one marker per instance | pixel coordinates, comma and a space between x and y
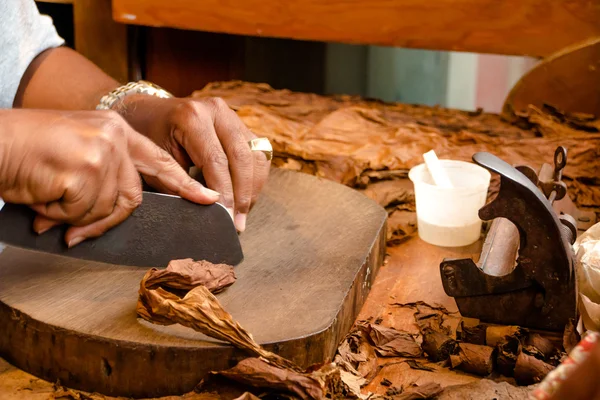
24, 33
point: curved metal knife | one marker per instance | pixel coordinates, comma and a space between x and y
161, 229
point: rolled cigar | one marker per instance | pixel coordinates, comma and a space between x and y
438, 346
473, 358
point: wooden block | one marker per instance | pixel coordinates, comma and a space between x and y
519, 27
312, 249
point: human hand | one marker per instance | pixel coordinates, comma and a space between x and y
208, 134
81, 168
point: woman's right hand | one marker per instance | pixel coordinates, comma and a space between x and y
82, 168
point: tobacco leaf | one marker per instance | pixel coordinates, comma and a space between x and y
356, 355
359, 142
508, 350
427, 390
186, 274
328, 381
484, 389
390, 342
417, 365
201, 311
386, 382
570, 337
434, 318
259, 373
418, 304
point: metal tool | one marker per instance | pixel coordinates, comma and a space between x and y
525, 272
161, 229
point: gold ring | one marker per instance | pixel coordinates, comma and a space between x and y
262, 144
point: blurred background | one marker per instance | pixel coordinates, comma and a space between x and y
450, 79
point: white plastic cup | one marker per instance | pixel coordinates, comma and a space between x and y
449, 217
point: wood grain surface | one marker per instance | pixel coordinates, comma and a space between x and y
568, 80
520, 27
312, 249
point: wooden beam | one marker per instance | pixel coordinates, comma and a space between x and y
518, 27
101, 39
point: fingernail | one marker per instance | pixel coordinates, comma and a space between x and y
240, 222
74, 242
44, 226
211, 193
43, 230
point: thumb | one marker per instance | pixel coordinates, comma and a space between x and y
155, 163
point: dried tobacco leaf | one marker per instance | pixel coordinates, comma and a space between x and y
571, 336
484, 389
509, 349
326, 382
356, 355
390, 342
382, 141
417, 365
201, 311
259, 373
386, 382
425, 391
186, 274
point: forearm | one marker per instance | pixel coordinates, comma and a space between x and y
62, 79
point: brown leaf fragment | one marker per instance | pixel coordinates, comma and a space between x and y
484, 389
259, 373
571, 336
201, 311
393, 390
385, 382
427, 390
417, 365
186, 274
508, 350
417, 304
530, 370
390, 342
64, 393
356, 352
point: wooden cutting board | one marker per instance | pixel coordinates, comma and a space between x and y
312, 249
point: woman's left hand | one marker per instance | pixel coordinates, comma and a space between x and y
205, 133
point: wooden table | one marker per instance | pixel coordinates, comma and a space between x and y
410, 274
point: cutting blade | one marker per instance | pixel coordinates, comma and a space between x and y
161, 229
